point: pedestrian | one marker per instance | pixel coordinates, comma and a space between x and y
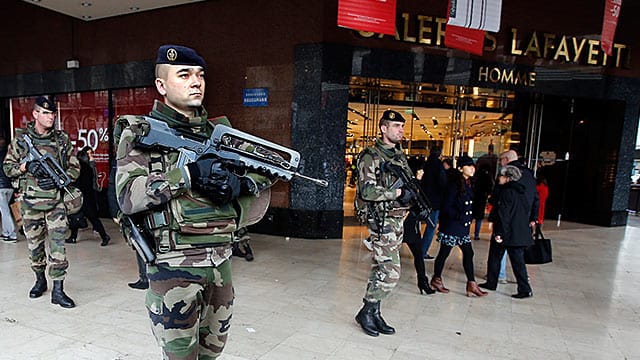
87, 182
190, 213
482, 185
43, 209
412, 238
455, 222
511, 231
542, 188
6, 192
114, 210
433, 184
387, 206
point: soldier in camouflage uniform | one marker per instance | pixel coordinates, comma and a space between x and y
191, 212
387, 206
42, 203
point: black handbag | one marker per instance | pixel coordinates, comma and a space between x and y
540, 251
77, 221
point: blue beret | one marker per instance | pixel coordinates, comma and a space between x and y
45, 103
179, 55
391, 115
465, 160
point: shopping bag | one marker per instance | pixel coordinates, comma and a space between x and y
540, 251
15, 211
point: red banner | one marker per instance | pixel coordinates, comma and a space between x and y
609, 24
378, 16
462, 38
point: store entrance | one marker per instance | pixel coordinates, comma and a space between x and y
457, 119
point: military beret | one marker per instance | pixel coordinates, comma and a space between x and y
465, 160
45, 103
391, 115
179, 55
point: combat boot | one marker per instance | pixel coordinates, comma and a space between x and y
39, 287
235, 250
59, 297
382, 326
365, 318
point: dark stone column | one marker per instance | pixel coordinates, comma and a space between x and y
318, 132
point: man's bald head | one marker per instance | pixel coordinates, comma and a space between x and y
507, 157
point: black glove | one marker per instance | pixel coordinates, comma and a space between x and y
34, 168
406, 197
46, 183
209, 177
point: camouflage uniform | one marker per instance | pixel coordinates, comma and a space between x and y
385, 224
190, 297
43, 211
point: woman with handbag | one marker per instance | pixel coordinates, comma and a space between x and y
511, 231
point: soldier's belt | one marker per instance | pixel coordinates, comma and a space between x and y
397, 212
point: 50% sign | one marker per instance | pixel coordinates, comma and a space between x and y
91, 137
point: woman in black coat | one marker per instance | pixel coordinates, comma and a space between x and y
87, 183
455, 221
511, 231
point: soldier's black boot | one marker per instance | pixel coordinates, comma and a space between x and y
235, 250
381, 325
59, 297
248, 253
365, 318
39, 287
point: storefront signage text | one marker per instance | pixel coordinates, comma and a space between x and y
498, 75
563, 48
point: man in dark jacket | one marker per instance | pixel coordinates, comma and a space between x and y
511, 231
433, 184
527, 180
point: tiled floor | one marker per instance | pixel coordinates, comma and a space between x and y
298, 298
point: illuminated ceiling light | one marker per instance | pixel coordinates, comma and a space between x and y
86, 17
134, 8
86, 4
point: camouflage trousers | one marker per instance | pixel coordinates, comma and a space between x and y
190, 309
385, 259
38, 224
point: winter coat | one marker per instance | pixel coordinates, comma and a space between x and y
434, 181
529, 183
511, 215
455, 212
482, 184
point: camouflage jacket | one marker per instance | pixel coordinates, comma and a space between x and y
54, 142
188, 229
377, 186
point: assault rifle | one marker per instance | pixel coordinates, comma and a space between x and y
138, 241
49, 164
231, 146
421, 205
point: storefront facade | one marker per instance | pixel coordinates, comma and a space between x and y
582, 102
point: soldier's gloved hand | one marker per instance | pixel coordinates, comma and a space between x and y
34, 168
46, 183
210, 178
247, 186
406, 197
